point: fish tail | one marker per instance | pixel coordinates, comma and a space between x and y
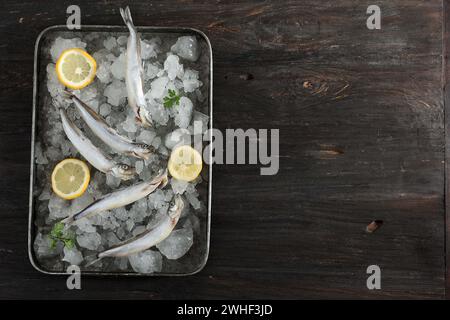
97, 259
126, 16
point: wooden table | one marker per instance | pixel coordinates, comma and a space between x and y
361, 120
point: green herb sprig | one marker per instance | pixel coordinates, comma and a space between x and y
59, 234
171, 99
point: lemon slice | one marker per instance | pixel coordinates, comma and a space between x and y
185, 163
70, 178
76, 68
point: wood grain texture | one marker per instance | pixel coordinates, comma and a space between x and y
361, 119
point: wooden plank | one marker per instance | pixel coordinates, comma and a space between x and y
361, 122
446, 44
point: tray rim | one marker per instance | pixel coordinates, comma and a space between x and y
108, 28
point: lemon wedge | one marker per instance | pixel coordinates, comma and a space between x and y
75, 68
70, 178
185, 163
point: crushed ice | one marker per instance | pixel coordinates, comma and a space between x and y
173, 127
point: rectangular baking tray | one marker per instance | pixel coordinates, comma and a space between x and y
37, 77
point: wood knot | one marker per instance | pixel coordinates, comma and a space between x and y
246, 76
374, 226
307, 85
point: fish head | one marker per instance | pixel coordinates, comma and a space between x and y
144, 117
123, 171
176, 207
142, 150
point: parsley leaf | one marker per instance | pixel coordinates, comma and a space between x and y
171, 99
59, 234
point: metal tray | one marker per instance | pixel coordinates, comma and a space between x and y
37, 79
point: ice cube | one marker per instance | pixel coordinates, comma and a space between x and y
177, 244
120, 232
122, 41
183, 112
163, 151
61, 44
146, 136
151, 71
54, 87
87, 95
187, 47
162, 211
139, 166
85, 226
173, 67
120, 213
193, 200
168, 195
199, 95
98, 181
145, 174
158, 87
57, 207
116, 93
178, 186
72, 256
101, 56
148, 261
192, 222
111, 239
80, 203
160, 114
92, 36
104, 72
149, 49
43, 248
138, 211
156, 142
177, 137
45, 195
129, 224
112, 181
53, 153
156, 199
89, 241
39, 155
129, 125
110, 43
121, 263
118, 67
105, 109
190, 80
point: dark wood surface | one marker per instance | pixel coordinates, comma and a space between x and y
361, 119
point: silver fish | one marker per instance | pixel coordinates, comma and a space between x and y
91, 153
107, 134
150, 237
134, 72
120, 198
